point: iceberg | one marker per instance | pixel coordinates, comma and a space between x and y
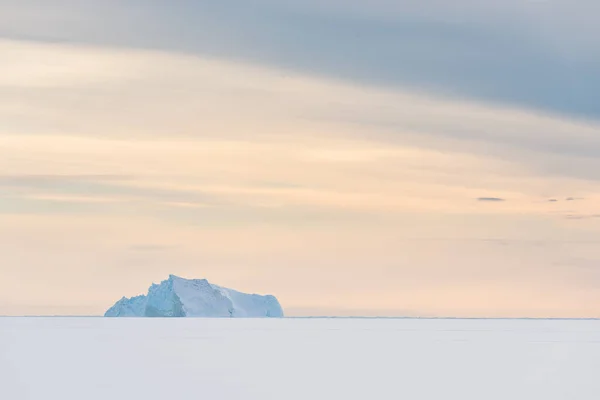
178, 297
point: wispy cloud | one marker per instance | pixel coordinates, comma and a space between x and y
491, 199
45, 180
493, 52
151, 248
583, 216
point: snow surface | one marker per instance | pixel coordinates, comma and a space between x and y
298, 359
179, 297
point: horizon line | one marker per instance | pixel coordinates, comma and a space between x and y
319, 317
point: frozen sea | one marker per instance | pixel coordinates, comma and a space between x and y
221, 359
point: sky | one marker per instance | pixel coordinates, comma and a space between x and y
393, 158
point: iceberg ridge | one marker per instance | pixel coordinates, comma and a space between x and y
177, 297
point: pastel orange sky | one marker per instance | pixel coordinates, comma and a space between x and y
123, 162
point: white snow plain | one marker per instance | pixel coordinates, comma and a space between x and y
289, 359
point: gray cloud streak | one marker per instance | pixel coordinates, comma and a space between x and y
490, 199
17, 186
538, 55
151, 248
29, 180
583, 216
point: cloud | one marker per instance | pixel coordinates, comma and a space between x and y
191, 97
583, 216
490, 199
540, 55
298, 142
151, 248
44, 180
90, 193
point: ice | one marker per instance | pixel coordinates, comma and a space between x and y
125, 307
298, 359
179, 297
